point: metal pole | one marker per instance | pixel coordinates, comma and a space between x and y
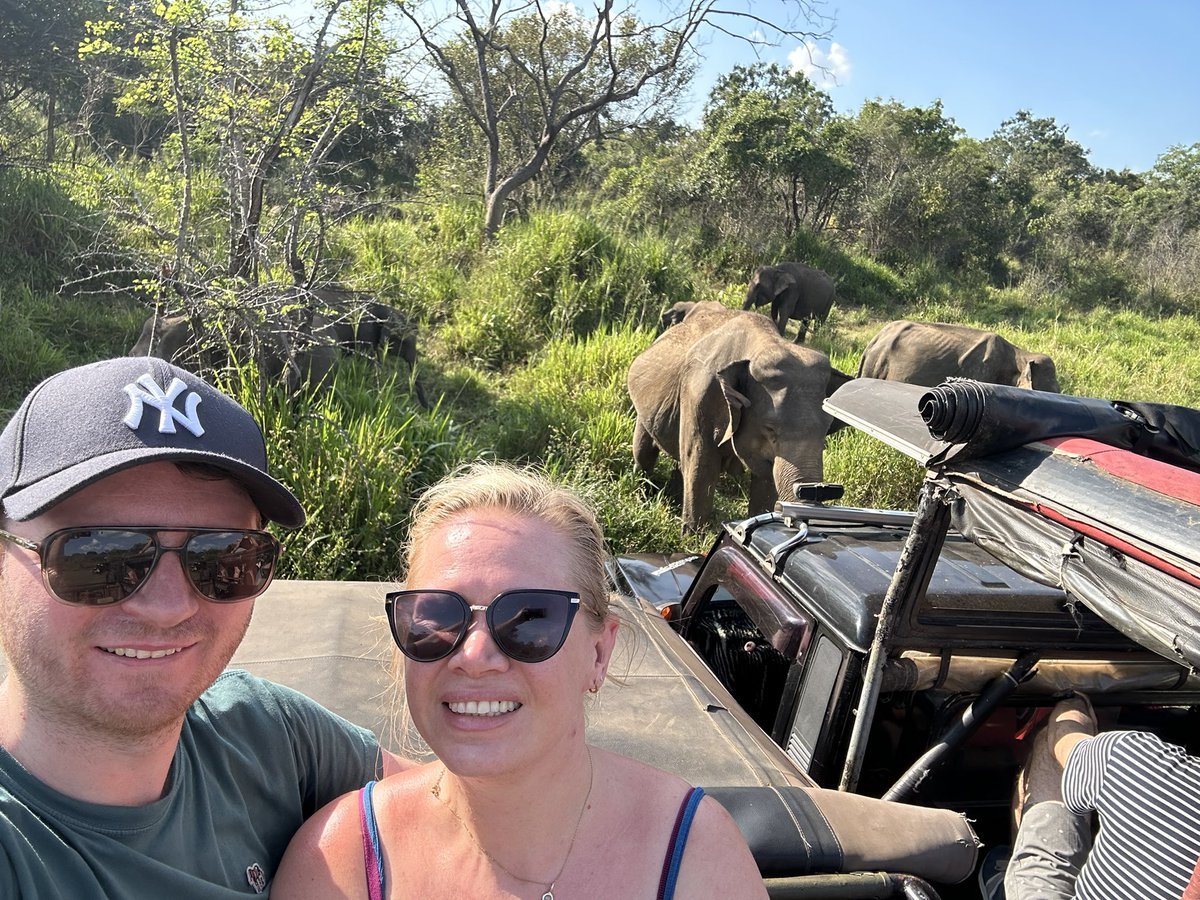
927, 530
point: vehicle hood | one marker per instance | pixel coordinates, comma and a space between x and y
656, 579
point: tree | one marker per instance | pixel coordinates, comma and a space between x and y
1038, 169
38, 62
900, 154
250, 97
530, 75
1161, 222
774, 130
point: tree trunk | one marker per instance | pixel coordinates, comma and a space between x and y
50, 133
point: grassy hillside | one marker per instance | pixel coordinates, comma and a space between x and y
527, 343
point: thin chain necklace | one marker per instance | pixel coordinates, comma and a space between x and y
548, 894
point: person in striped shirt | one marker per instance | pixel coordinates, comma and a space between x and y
1145, 797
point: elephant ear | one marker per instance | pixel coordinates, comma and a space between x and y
732, 379
784, 281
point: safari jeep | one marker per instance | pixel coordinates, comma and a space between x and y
907, 655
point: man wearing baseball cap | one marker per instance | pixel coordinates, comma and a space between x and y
132, 501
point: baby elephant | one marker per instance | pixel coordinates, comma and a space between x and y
928, 353
674, 314
793, 291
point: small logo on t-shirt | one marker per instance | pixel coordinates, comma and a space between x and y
257, 878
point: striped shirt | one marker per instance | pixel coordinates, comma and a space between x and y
1147, 795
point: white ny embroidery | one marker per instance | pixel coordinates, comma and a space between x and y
146, 391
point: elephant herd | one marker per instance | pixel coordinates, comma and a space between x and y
298, 348
719, 387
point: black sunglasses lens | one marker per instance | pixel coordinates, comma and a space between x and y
102, 566
530, 626
428, 624
99, 566
228, 566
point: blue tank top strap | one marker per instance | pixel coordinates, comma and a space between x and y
372, 854
679, 836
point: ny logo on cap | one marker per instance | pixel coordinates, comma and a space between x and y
147, 392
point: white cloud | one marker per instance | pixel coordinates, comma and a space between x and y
824, 69
554, 7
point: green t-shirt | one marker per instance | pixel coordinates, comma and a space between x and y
254, 760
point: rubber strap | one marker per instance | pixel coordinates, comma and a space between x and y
679, 836
372, 855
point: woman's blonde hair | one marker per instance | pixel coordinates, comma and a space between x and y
526, 493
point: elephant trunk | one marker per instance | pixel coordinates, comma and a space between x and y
786, 474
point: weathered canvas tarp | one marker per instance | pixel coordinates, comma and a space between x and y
1115, 529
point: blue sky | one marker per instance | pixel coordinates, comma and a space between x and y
1123, 77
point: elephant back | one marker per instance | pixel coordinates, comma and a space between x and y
927, 353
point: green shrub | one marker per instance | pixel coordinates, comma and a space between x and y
399, 262
41, 334
571, 402
43, 231
559, 274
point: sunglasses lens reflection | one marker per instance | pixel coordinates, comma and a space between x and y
530, 626
102, 566
97, 567
230, 565
428, 624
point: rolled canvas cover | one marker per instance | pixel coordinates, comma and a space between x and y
1115, 529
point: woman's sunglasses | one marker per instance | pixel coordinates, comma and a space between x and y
528, 625
100, 566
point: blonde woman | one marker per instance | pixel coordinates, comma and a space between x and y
505, 628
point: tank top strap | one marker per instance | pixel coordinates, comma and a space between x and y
372, 854
679, 836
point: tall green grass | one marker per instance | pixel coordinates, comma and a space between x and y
557, 275
357, 452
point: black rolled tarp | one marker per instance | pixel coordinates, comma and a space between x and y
978, 419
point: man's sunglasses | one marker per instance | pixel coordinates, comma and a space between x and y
100, 566
528, 625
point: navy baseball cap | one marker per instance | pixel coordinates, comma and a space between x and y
80, 425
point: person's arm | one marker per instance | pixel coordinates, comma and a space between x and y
716, 861
325, 861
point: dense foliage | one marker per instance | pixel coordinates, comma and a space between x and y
178, 156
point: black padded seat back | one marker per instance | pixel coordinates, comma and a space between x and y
803, 831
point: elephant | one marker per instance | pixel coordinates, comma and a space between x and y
686, 310
377, 328
795, 291
723, 387
184, 341
928, 353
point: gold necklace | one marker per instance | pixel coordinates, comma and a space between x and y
548, 894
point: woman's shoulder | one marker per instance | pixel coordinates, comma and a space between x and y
325, 858
395, 796
642, 780
715, 853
